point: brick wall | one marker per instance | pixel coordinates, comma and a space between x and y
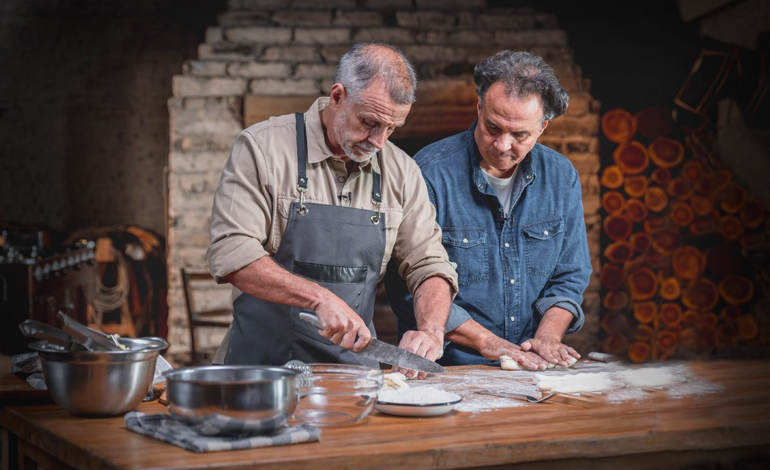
291, 47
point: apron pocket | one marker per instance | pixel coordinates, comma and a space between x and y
329, 273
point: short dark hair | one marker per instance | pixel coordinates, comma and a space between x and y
523, 74
363, 63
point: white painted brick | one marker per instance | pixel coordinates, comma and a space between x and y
190, 220
292, 54
357, 18
226, 51
333, 54
202, 86
260, 34
426, 20
205, 68
387, 35
461, 37
322, 36
218, 117
214, 34
259, 69
504, 20
433, 53
321, 71
303, 18
178, 237
278, 87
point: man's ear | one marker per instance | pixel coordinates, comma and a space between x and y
338, 93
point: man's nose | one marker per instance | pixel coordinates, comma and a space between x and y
378, 138
503, 143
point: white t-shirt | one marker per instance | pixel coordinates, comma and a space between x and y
503, 188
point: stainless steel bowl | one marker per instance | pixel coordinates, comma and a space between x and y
226, 400
100, 383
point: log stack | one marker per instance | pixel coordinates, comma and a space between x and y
685, 265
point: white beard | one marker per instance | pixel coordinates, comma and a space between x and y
347, 145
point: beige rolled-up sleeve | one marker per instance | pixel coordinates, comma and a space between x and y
418, 245
241, 215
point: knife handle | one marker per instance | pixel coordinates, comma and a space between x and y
312, 319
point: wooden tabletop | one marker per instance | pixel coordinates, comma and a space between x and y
727, 408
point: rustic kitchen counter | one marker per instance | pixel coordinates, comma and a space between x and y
727, 420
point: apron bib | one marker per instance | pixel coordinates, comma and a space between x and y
340, 248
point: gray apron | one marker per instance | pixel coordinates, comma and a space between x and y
340, 248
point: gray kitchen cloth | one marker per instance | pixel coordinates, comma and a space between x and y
165, 428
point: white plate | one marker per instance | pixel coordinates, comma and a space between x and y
418, 409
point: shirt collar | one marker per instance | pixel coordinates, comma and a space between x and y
317, 149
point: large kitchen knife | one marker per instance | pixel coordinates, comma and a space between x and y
386, 353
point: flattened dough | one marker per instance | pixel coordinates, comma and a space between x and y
575, 383
508, 363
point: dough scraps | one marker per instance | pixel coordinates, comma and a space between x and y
394, 381
576, 383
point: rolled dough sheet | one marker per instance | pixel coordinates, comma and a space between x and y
576, 383
651, 377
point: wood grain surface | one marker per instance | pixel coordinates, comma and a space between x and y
735, 417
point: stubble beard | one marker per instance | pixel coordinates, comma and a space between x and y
347, 144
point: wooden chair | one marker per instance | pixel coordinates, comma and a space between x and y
216, 318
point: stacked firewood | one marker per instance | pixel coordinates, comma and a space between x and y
685, 270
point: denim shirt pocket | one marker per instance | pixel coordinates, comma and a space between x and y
542, 243
467, 246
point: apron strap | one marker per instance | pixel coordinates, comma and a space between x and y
301, 162
376, 193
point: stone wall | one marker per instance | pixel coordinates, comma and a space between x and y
291, 47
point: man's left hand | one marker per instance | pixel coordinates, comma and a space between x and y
552, 350
429, 346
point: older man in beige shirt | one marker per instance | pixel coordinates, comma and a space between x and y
307, 215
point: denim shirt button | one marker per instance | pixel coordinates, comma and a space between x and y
465, 240
529, 176
513, 281
507, 245
545, 232
513, 318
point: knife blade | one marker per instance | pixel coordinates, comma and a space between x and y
385, 352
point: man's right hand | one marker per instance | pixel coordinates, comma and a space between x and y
341, 324
494, 347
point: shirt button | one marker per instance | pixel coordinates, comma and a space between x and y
529, 176
513, 318
481, 186
341, 179
507, 245
465, 240
545, 232
512, 281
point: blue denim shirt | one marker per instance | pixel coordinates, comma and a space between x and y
512, 267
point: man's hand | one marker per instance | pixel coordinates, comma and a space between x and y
492, 347
425, 344
547, 341
552, 350
342, 325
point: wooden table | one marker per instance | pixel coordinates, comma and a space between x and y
661, 432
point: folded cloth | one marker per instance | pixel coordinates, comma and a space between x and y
27, 363
221, 425
165, 428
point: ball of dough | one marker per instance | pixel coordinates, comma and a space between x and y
507, 363
394, 381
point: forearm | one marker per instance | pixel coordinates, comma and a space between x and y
267, 280
471, 334
432, 300
554, 324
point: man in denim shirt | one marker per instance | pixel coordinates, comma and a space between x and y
511, 214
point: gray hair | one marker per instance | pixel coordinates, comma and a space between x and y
367, 62
523, 74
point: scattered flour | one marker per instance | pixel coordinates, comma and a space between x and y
651, 377
508, 363
575, 383
416, 396
394, 381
